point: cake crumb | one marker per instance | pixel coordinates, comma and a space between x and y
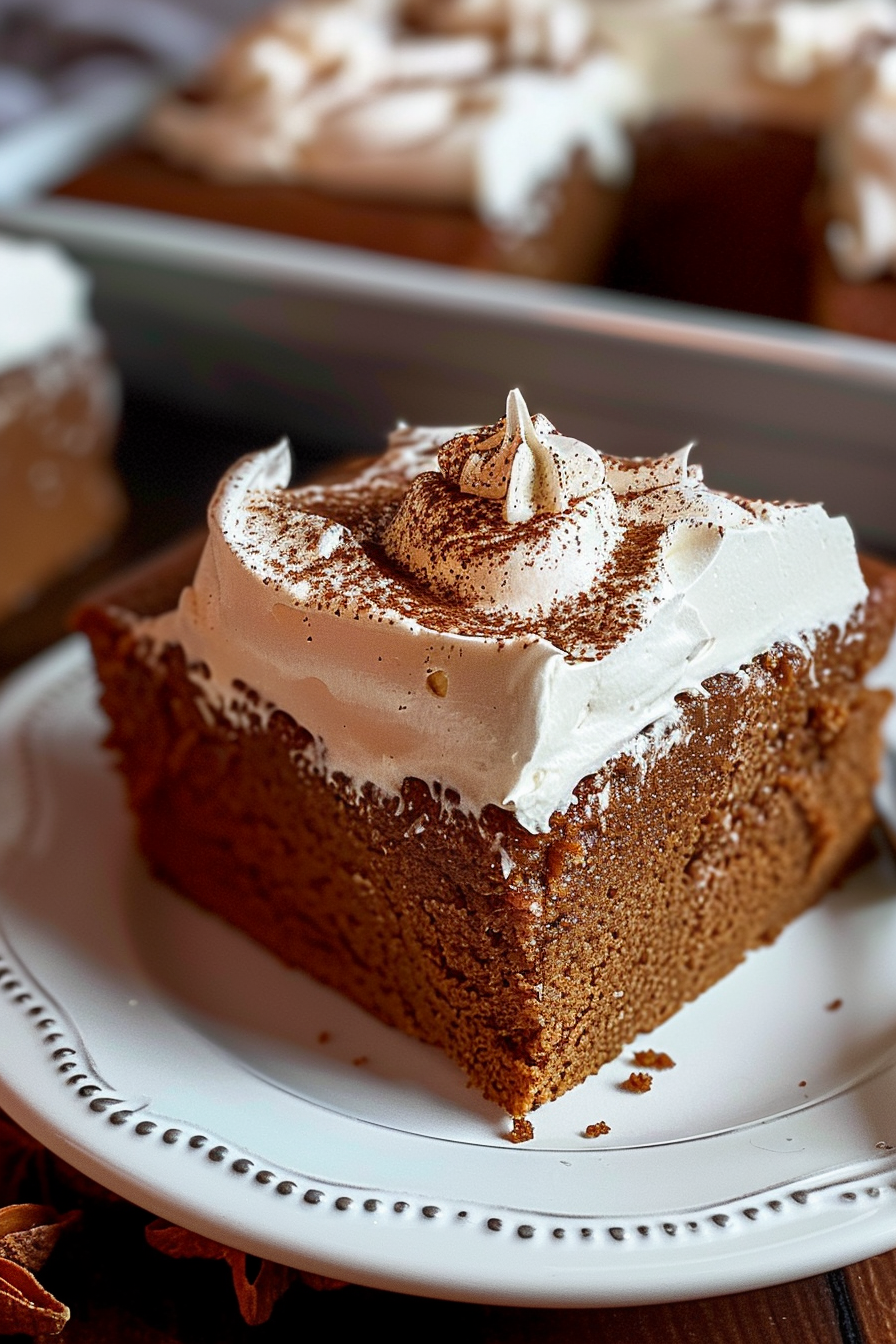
596, 1131
324, 1038
521, 1132
637, 1082
834, 1005
360, 1061
802, 1084
651, 1060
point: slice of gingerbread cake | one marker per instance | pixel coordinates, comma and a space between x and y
60, 499
518, 745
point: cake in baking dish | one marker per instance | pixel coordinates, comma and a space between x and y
742, 94
518, 745
854, 259
488, 135
59, 498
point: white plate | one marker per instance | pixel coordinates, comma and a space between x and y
179, 1064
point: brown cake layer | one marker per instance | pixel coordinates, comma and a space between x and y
59, 499
530, 959
573, 248
715, 215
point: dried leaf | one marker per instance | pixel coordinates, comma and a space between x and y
25, 1307
28, 1233
319, 1282
256, 1298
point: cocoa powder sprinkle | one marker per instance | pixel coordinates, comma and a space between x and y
587, 625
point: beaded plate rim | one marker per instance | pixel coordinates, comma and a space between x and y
866, 1186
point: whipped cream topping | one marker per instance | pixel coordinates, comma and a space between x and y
775, 62
44, 301
861, 162
356, 609
528, 469
811, 36
483, 105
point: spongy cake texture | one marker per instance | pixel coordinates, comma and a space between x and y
529, 958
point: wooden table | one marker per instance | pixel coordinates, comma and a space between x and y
122, 1291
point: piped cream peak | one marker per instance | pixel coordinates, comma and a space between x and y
519, 518
636, 476
533, 468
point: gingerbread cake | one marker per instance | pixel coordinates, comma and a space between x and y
59, 498
741, 94
484, 135
518, 745
854, 270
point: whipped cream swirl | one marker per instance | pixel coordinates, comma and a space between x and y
482, 105
774, 62
532, 472
509, 671
813, 36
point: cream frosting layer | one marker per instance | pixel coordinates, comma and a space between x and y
812, 36
336, 604
43, 301
775, 63
861, 161
482, 105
